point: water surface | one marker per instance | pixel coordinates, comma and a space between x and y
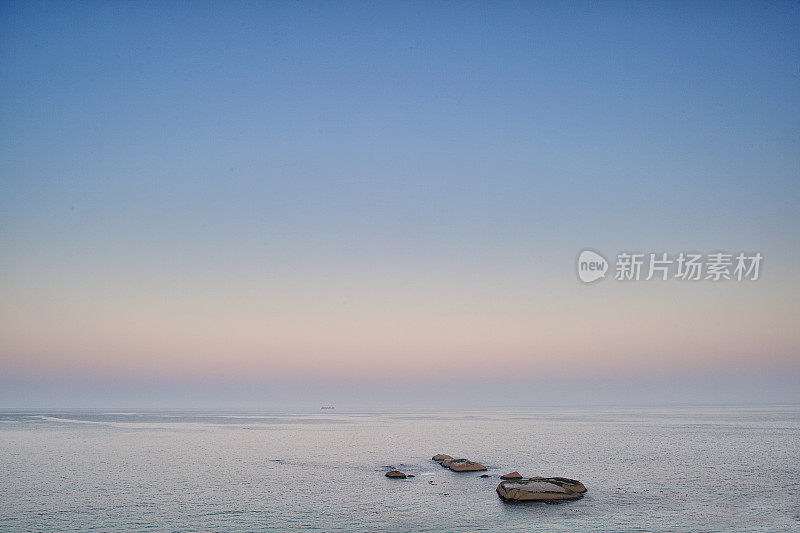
686, 469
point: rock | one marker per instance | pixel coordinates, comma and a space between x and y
512, 475
446, 463
485, 475
463, 465
396, 474
572, 484
439, 457
535, 490
410, 475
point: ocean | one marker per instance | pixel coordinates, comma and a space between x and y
646, 469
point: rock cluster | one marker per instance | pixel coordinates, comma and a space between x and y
513, 486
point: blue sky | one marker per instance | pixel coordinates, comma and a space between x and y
357, 166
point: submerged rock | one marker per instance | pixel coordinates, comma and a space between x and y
485, 475
439, 457
536, 491
512, 475
464, 465
396, 474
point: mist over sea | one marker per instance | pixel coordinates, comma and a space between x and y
646, 469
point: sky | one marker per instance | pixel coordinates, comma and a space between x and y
199, 199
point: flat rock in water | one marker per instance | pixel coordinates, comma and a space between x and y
572, 484
463, 465
535, 490
512, 475
439, 457
447, 462
395, 474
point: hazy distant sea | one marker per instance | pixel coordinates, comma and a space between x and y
687, 469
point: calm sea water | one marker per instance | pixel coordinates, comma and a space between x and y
688, 469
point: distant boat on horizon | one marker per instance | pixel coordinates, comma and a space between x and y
327, 407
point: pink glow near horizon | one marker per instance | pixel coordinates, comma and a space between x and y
582, 330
